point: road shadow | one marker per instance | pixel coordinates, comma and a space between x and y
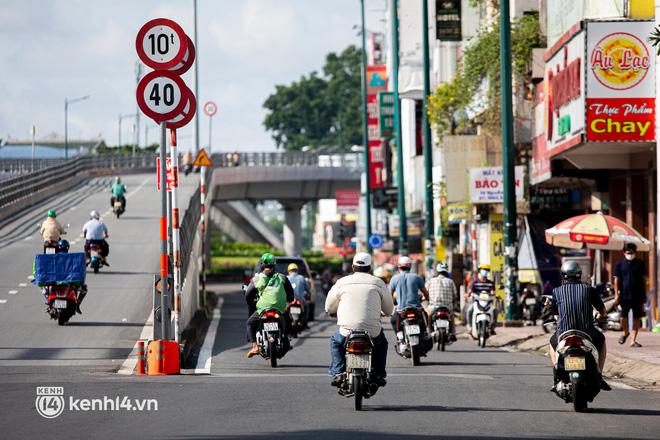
130, 217
442, 408
625, 411
104, 324
122, 272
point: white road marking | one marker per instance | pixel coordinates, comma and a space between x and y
29, 237
2, 301
129, 364
12, 292
144, 182
22, 284
206, 353
73, 208
30, 277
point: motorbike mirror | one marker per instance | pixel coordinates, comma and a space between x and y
67, 226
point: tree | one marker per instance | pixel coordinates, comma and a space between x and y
319, 111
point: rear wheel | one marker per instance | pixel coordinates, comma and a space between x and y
414, 355
443, 341
272, 355
63, 317
95, 265
579, 399
357, 391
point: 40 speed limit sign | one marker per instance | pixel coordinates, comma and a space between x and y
162, 95
162, 44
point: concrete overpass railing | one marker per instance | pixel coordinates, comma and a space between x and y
288, 158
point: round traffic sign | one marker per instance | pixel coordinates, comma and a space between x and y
161, 43
161, 95
376, 241
186, 114
187, 61
210, 108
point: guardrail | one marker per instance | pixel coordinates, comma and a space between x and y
289, 158
13, 167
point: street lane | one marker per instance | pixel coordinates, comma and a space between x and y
119, 298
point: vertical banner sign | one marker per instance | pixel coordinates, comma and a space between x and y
620, 82
496, 226
386, 114
448, 20
376, 83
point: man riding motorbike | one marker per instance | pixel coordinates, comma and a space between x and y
573, 302
358, 300
481, 285
51, 230
118, 191
268, 289
405, 287
96, 232
300, 288
442, 292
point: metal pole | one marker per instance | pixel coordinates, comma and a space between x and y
176, 244
66, 129
164, 318
34, 133
403, 222
202, 228
365, 132
196, 79
428, 152
119, 132
508, 165
654, 240
138, 74
210, 132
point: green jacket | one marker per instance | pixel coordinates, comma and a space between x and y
270, 292
118, 189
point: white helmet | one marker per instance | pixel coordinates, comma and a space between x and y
94, 214
362, 259
404, 262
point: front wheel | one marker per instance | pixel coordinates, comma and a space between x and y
272, 355
482, 336
357, 391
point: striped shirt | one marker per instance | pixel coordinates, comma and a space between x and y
442, 291
574, 303
478, 286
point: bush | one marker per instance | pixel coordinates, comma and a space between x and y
231, 265
227, 249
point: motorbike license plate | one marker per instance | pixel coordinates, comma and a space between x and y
296, 310
412, 329
574, 363
354, 361
94, 253
530, 301
59, 304
443, 324
271, 326
117, 205
50, 250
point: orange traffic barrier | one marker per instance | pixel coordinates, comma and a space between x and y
163, 358
141, 367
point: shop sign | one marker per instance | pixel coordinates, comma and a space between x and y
457, 212
376, 83
487, 184
448, 20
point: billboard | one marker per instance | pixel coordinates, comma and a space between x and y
620, 83
376, 83
348, 201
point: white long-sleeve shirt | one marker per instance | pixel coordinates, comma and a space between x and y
358, 300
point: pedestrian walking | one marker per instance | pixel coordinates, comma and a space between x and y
630, 291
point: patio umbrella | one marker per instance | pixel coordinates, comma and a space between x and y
595, 231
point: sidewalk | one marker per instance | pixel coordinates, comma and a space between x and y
640, 366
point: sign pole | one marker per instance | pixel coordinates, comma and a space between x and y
163, 232
654, 240
176, 243
510, 215
210, 131
428, 151
365, 134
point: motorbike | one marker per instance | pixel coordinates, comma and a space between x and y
94, 259
271, 338
577, 376
441, 327
295, 311
548, 318
528, 306
413, 340
63, 301
483, 312
117, 207
358, 380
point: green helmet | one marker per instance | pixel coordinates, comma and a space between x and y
268, 259
51, 213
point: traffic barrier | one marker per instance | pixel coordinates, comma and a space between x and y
141, 367
163, 358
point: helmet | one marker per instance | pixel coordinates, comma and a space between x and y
63, 246
404, 262
382, 273
362, 259
51, 213
293, 267
570, 271
484, 266
118, 179
94, 214
442, 267
268, 259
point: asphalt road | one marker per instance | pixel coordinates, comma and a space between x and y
119, 298
464, 393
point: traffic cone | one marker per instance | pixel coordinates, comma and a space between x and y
141, 367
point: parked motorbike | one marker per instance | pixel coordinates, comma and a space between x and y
440, 326
483, 312
63, 301
548, 318
528, 306
298, 322
413, 340
577, 376
358, 380
271, 338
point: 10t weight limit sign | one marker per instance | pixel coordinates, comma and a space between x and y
161, 44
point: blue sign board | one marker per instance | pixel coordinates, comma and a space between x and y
376, 241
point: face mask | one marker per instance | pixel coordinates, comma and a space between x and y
629, 257
484, 273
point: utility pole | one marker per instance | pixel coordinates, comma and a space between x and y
365, 133
138, 74
196, 79
508, 165
428, 152
68, 102
403, 223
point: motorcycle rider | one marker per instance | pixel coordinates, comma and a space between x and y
573, 302
118, 191
405, 287
268, 289
442, 292
51, 230
96, 232
481, 285
300, 287
358, 301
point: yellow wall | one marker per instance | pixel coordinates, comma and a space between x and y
642, 9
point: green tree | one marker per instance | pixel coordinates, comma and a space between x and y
319, 111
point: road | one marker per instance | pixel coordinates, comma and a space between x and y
119, 299
464, 393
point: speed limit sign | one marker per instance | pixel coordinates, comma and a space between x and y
161, 43
186, 63
161, 95
186, 114
210, 109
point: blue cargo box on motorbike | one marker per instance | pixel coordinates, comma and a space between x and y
59, 269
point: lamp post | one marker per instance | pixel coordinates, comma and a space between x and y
365, 134
68, 102
119, 119
428, 152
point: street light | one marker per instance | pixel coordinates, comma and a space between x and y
121, 117
66, 122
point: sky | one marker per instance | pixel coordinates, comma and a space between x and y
57, 49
